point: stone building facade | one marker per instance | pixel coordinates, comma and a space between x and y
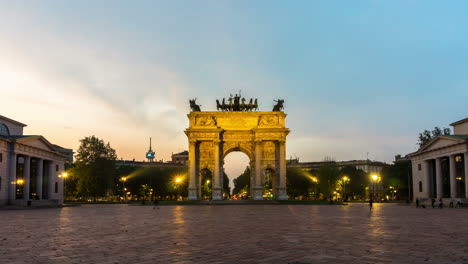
440, 168
30, 167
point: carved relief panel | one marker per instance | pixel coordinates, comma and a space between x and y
269, 150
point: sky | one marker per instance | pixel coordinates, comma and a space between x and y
358, 77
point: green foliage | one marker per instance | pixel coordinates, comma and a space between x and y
396, 175
94, 168
298, 182
145, 190
358, 180
161, 180
206, 184
426, 136
226, 188
328, 174
242, 182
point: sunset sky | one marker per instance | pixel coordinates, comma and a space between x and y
357, 77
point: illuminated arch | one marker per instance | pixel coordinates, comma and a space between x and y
259, 135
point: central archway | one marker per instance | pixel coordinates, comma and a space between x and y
260, 135
235, 165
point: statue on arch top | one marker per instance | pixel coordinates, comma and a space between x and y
279, 105
193, 105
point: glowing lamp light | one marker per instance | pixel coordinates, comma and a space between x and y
19, 182
178, 180
123, 179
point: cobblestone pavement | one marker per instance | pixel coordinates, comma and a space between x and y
234, 234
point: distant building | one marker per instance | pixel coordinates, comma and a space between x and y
157, 164
180, 158
366, 165
440, 168
30, 167
150, 154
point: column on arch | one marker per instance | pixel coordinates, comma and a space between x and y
193, 189
217, 187
438, 174
257, 189
453, 176
26, 177
282, 195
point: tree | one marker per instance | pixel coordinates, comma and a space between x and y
358, 180
242, 182
426, 136
328, 174
226, 188
297, 182
397, 176
95, 167
161, 180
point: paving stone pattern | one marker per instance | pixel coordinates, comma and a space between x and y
234, 234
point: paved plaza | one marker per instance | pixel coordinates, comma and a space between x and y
392, 233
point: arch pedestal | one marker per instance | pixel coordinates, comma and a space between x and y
260, 135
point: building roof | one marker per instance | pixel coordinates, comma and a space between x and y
62, 149
459, 122
12, 121
185, 152
463, 137
458, 139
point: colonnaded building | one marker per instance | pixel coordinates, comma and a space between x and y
440, 168
30, 167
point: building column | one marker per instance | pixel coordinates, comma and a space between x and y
217, 188
465, 165
27, 177
13, 159
453, 176
257, 189
428, 187
281, 192
438, 173
51, 179
193, 190
40, 171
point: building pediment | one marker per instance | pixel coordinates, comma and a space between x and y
37, 142
441, 142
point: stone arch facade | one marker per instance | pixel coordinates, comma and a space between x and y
260, 135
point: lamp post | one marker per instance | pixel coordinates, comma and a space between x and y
64, 175
375, 178
345, 179
315, 181
178, 181
124, 179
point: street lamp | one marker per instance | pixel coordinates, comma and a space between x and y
375, 178
64, 175
345, 179
123, 180
178, 180
315, 181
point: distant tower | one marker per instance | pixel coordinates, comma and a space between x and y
150, 154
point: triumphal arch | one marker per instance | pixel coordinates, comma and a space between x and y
237, 126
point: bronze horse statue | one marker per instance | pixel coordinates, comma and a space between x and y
279, 105
193, 105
